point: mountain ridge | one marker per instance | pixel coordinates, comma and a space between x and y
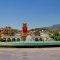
55, 27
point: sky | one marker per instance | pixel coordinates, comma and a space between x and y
36, 13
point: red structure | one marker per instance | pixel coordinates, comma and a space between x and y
24, 31
24, 28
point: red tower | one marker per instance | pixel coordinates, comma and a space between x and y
24, 31
24, 28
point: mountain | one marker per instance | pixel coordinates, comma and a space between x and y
52, 28
55, 27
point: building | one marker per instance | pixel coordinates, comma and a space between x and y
24, 35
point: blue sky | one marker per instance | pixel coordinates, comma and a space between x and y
36, 13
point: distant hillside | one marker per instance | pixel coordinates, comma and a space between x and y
54, 28
39, 29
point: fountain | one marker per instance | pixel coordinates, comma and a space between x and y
29, 38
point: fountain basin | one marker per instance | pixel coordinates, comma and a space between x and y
30, 43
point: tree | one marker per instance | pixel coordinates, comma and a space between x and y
13, 39
40, 39
18, 39
55, 36
10, 32
36, 39
9, 40
37, 33
3, 40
